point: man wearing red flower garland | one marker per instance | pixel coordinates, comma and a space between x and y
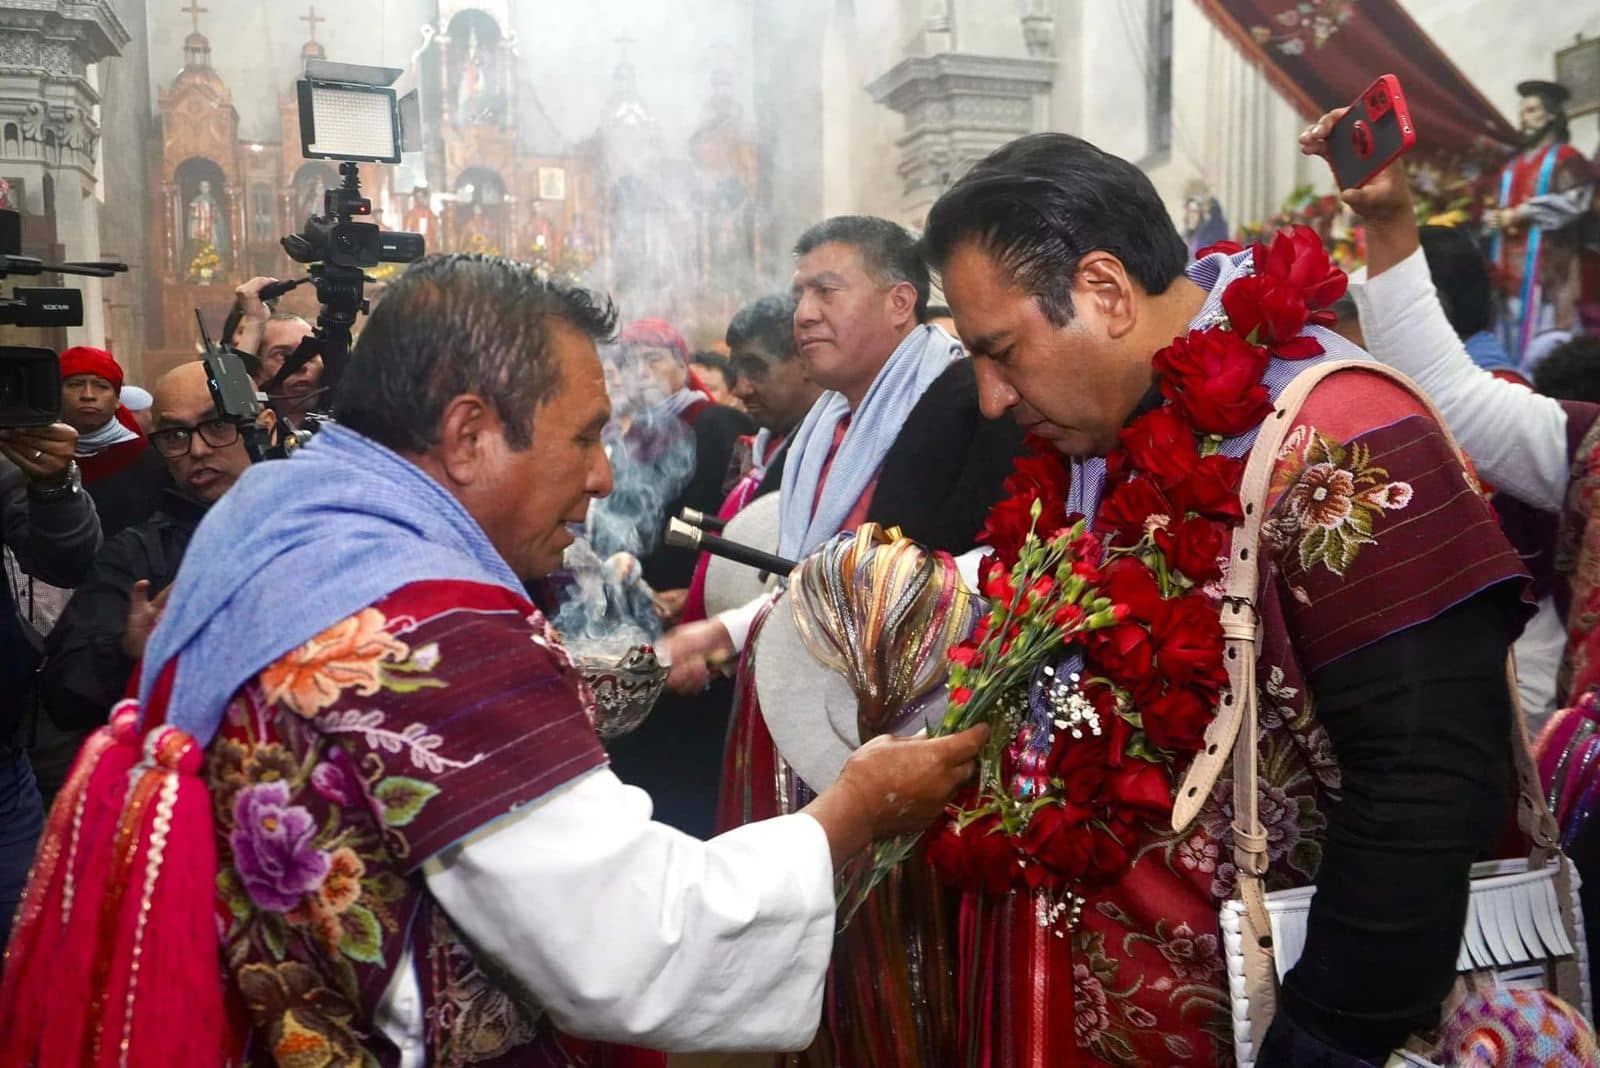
1386, 592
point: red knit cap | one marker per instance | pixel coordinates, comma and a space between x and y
83, 360
656, 333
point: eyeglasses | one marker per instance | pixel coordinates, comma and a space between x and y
175, 441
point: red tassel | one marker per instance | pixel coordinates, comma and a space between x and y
29, 993
161, 1002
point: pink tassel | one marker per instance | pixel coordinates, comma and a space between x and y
161, 1001
29, 993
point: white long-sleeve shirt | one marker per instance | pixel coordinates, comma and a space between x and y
628, 930
1516, 438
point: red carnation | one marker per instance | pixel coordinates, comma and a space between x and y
1213, 379
1161, 444
966, 654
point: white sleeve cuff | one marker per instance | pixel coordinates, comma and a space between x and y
738, 621
628, 930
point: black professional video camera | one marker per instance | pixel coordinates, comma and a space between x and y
352, 114
30, 377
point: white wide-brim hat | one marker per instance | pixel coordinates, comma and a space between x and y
810, 710
733, 585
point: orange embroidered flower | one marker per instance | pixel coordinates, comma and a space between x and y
342, 887
347, 656
1323, 495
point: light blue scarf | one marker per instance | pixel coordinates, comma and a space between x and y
296, 546
921, 357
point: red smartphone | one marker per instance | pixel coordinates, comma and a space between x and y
1375, 132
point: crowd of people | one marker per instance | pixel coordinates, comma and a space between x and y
296, 757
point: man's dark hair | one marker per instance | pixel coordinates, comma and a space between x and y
1461, 275
1571, 371
769, 322
1041, 203
888, 251
716, 362
461, 324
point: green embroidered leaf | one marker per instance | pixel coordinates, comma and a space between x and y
399, 684
274, 930
383, 886
231, 890
1313, 545
345, 981
363, 938
402, 798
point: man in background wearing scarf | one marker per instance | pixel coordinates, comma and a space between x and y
359, 740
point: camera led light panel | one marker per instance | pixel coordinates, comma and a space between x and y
353, 123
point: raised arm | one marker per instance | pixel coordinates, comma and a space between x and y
1516, 438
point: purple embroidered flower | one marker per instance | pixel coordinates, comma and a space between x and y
272, 847
335, 779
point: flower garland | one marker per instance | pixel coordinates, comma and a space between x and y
1083, 760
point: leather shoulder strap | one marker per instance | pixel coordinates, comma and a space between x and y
1237, 710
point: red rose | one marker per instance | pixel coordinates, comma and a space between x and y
1213, 379
1079, 851
1142, 787
1162, 445
1194, 547
1128, 582
1006, 527
1188, 641
1227, 248
1297, 260
1178, 718
1124, 654
1129, 505
1265, 312
980, 858
1212, 489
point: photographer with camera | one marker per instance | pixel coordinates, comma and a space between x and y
50, 525
92, 651
255, 328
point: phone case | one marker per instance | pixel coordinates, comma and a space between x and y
1376, 130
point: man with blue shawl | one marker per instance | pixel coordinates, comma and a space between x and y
358, 814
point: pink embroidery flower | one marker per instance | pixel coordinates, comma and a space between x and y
1194, 958
1198, 853
1089, 1003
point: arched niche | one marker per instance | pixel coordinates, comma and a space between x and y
202, 216
480, 211
311, 179
474, 79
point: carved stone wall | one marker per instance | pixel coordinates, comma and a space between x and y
957, 108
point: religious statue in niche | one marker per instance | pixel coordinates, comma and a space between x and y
204, 223
475, 82
542, 244
305, 196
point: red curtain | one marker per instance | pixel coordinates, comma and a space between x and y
1322, 53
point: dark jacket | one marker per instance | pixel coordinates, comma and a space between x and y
944, 471
717, 430
54, 542
86, 671
131, 494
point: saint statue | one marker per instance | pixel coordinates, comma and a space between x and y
1545, 194
474, 91
204, 220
